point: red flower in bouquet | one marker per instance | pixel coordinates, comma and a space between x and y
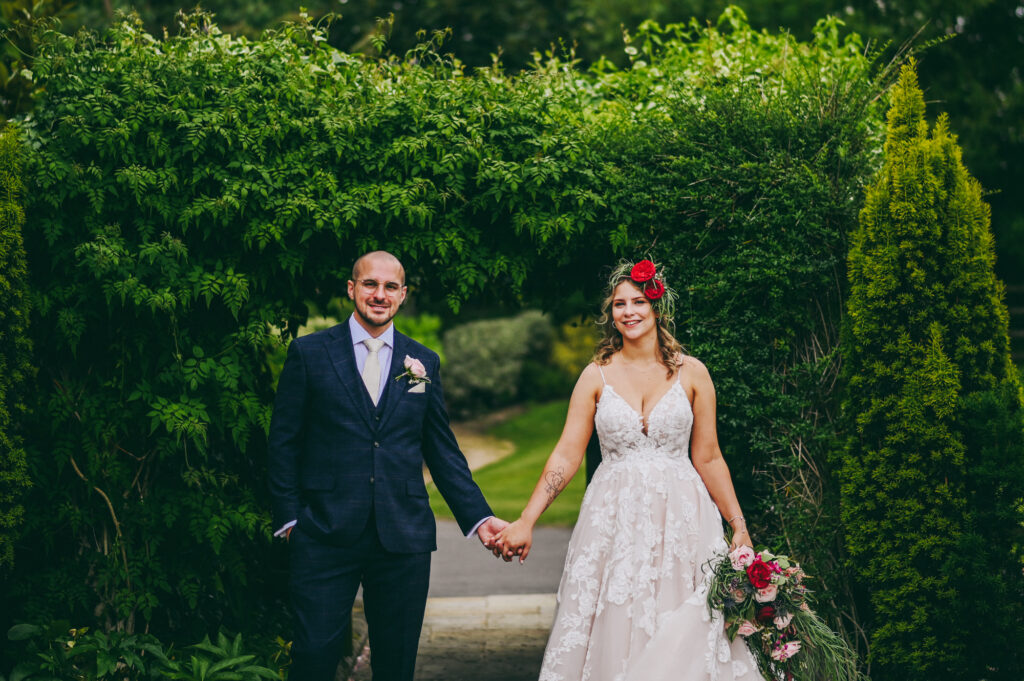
654, 289
765, 614
642, 271
759, 573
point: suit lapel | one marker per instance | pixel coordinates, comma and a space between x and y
343, 357
395, 390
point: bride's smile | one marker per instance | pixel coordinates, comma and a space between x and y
631, 311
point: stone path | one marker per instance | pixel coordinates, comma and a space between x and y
478, 638
479, 447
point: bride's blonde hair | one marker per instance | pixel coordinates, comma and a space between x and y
670, 352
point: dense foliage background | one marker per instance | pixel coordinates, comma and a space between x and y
194, 196
975, 77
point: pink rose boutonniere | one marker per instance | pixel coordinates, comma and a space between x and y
414, 371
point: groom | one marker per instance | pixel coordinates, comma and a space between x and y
359, 409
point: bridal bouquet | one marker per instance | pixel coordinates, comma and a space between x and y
764, 599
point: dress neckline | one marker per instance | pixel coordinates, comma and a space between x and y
644, 425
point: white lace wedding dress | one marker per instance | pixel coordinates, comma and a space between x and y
631, 604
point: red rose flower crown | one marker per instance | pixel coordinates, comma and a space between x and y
645, 274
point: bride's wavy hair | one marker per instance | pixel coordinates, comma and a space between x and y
670, 351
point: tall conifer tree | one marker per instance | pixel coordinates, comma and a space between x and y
932, 476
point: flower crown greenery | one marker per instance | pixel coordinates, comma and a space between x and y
645, 275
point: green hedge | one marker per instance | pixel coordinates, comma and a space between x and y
15, 346
933, 474
190, 196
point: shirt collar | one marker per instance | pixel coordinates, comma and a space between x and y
359, 334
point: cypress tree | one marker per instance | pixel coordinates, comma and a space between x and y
14, 343
932, 476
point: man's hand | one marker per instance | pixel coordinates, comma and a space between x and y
489, 529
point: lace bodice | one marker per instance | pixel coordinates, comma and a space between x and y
620, 427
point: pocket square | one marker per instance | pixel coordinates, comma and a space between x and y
418, 388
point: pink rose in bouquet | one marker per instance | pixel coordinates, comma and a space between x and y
746, 628
767, 594
741, 557
786, 651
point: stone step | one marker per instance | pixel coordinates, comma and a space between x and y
485, 638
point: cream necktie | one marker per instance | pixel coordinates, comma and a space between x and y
371, 370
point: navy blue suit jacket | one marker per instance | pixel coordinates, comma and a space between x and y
333, 456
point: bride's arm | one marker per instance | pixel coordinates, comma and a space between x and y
561, 466
707, 456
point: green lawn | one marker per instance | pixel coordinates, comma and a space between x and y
508, 483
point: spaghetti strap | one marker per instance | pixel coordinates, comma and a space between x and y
603, 379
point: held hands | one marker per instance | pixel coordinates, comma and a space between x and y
514, 540
488, 529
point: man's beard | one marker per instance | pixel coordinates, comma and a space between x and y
372, 322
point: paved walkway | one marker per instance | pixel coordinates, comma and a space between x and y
478, 638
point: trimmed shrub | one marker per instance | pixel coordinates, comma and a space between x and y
489, 360
933, 470
15, 345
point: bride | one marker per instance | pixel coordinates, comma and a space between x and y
631, 603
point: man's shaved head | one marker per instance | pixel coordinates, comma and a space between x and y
379, 256
378, 289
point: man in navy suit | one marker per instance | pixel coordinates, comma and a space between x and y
359, 409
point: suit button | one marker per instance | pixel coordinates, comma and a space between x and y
376, 418
376, 444
371, 479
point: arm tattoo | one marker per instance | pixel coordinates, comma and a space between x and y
555, 481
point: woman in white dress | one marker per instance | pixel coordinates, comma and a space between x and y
631, 604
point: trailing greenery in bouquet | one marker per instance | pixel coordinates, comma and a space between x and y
764, 599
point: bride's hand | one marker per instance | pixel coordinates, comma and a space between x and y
516, 539
740, 538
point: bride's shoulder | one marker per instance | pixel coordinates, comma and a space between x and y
591, 373
692, 365
589, 383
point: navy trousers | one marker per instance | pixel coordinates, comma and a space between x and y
323, 584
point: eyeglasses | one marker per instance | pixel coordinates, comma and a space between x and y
371, 285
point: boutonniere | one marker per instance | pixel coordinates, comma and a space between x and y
414, 371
